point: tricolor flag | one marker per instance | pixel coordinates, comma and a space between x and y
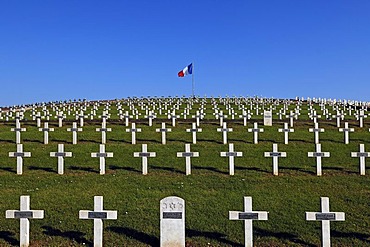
188, 70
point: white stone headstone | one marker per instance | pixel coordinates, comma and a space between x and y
267, 118
172, 222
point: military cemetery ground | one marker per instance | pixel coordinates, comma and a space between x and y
178, 171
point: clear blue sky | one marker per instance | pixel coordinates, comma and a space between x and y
60, 50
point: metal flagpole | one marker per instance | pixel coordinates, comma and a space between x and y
192, 80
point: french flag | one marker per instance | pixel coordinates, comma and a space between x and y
188, 70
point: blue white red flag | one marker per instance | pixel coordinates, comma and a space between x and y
188, 70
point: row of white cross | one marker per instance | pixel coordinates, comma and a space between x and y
172, 219
144, 154
163, 130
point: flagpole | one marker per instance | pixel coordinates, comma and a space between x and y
192, 81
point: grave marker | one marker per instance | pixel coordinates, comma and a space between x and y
362, 155
194, 130
286, 131
188, 154
275, 155
60, 154
46, 130
248, 216
163, 130
325, 216
98, 215
102, 155
19, 155
267, 118
18, 131
133, 131
316, 131
24, 214
224, 131
346, 131
74, 131
255, 131
144, 154
318, 155
172, 222
231, 154
103, 131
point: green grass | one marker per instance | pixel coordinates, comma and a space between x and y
209, 193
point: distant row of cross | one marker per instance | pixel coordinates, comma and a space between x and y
144, 154
172, 220
194, 130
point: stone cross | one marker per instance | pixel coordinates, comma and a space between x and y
98, 215
60, 116
325, 216
255, 131
133, 131
46, 130
231, 154
103, 131
38, 119
224, 131
194, 130
362, 155
173, 116
24, 214
339, 116
316, 131
360, 116
188, 154
248, 216
74, 131
81, 118
346, 131
286, 131
275, 155
144, 154
127, 117
150, 117
163, 130
291, 118
19, 155
246, 115
60, 154
102, 155
172, 222
318, 155
18, 131
198, 116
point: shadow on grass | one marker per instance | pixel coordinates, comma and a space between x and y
72, 235
8, 141
297, 169
281, 235
180, 140
139, 236
300, 140
119, 141
148, 140
85, 169
209, 168
47, 169
257, 169
340, 169
114, 167
230, 140
30, 140
167, 168
60, 141
8, 169
8, 237
207, 140
86, 140
219, 237
361, 236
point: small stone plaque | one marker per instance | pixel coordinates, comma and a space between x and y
256, 130
184, 154
97, 215
248, 216
102, 155
172, 215
163, 130
275, 154
325, 216
362, 154
144, 154
19, 154
60, 154
23, 214
228, 154
318, 154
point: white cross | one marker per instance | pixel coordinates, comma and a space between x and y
133, 131
325, 216
19, 155
194, 130
60, 117
38, 119
150, 117
246, 115
102, 155
163, 130
46, 130
74, 131
81, 118
144, 154
98, 215
275, 155
339, 116
127, 117
188, 154
231, 154
286, 131
103, 131
248, 216
18, 131
346, 131
360, 116
173, 116
316, 131
198, 117
60, 154
318, 155
362, 155
24, 214
255, 131
224, 131
314, 116
291, 118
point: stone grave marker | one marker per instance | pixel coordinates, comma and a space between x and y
60, 154
286, 131
318, 155
231, 154
316, 131
362, 155
275, 155
194, 131
346, 131
19, 155
18, 131
255, 131
74, 131
188, 155
102, 155
163, 130
103, 131
144, 154
224, 131
133, 131
46, 130
267, 118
